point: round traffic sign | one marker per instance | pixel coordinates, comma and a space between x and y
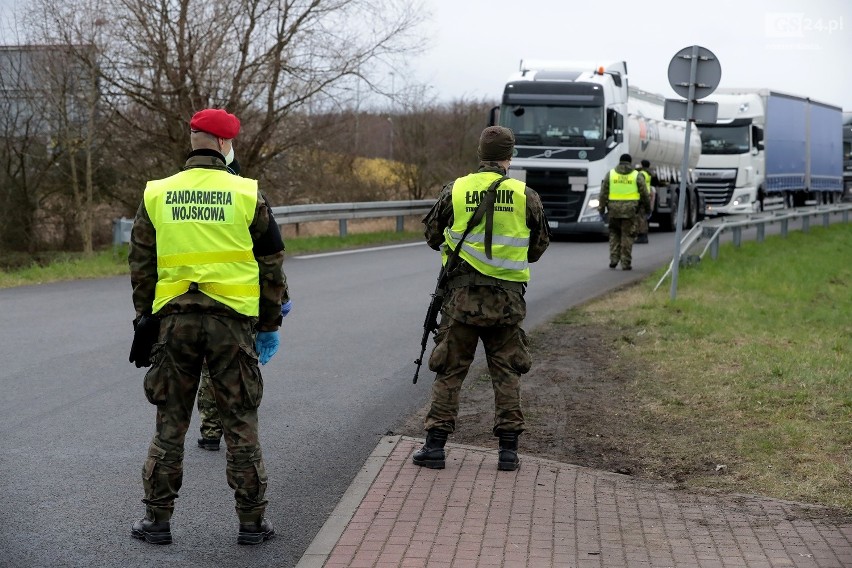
708, 72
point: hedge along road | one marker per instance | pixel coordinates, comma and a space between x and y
76, 423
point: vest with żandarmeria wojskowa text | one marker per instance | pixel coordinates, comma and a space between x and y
202, 218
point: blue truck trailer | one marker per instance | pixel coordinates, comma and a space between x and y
769, 150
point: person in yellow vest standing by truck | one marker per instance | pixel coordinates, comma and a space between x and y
488, 270
644, 214
623, 192
206, 267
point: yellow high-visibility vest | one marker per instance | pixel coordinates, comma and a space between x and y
510, 239
623, 187
202, 218
647, 177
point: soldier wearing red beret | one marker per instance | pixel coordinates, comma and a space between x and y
206, 262
217, 124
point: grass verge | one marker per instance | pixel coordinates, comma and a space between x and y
746, 379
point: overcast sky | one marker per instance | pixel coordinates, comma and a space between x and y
803, 47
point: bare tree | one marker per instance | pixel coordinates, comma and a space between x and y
436, 142
67, 39
27, 158
270, 62
283, 66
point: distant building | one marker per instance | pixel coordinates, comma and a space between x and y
44, 88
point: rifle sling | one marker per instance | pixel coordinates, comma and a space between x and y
486, 208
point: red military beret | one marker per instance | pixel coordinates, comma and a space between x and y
217, 122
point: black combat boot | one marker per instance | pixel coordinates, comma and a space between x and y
642, 238
211, 444
255, 533
508, 460
431, 455
152, 531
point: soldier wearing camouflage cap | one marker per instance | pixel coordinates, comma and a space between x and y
485, 300
206, 265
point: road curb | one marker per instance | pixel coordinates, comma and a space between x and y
325, 540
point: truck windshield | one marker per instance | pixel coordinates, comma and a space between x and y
724, 139
550, 125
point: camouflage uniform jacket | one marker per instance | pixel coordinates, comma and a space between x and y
486, 305
268, 251
623, 209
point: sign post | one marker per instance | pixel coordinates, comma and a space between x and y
694, 73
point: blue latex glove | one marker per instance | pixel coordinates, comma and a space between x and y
286, 307
267, 345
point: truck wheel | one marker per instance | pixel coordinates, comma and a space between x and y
668, 220
691, 216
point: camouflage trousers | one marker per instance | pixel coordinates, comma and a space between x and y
507, 352
211, 424
185, 342
622, 233
642, 222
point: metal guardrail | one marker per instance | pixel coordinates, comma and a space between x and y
341, 212
291, 214
711, 230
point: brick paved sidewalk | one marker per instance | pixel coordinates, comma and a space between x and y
550, 514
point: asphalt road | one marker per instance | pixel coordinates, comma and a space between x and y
76, 426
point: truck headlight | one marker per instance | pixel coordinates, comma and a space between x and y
594, 202
741, 199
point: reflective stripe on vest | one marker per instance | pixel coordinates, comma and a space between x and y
202, 218
511, 237
623, 187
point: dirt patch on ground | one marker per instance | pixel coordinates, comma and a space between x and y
578, 410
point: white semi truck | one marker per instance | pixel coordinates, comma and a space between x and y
769, 150
572, 122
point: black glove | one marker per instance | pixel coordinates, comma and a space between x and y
604, 215
147, 329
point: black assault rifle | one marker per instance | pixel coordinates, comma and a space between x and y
430, 324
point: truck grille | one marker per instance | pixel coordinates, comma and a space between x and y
716, 192
561, 200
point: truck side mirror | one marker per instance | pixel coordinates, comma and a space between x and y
492, 116
614, 125
619, 126
757, 137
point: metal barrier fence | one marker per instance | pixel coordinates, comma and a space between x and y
341, 212
711, 230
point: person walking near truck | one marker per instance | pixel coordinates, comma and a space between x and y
485, 296
622, 194
644, 214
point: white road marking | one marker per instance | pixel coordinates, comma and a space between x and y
353, 251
